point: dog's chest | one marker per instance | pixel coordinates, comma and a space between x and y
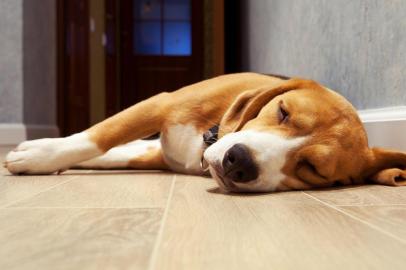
182, 147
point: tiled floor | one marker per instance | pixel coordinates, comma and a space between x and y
159, 220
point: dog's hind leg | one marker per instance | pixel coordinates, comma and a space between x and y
46, 156
139, 154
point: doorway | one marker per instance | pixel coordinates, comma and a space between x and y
161, 46
150, 46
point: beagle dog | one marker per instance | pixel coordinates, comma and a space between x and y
273, 135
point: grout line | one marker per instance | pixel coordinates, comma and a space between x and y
158, 240
358, 219
42, 191
86, 207
370, 204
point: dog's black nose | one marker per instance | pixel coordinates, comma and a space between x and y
238, 164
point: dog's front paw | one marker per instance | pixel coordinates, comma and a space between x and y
36, 157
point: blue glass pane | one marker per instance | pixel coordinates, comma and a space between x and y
177, 9
147, 38
177, 40
147, 9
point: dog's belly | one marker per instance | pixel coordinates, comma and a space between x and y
182, 147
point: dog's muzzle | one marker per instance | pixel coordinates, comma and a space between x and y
238, 165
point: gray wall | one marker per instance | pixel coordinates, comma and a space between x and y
11, 73
39, 61
357, 47
28, 62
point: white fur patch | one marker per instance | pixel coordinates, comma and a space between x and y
269, 152
45, 156
182, 147
119, 157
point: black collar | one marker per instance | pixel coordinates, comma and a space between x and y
211, 136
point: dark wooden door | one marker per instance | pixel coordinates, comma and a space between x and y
161, 47
73, 66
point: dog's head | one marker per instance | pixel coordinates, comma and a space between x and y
297, 135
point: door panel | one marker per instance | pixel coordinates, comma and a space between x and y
162, 47
73, 66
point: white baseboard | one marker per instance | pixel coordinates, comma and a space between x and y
14, 133
386, 127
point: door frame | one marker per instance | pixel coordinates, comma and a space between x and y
64, 110
112, 57
60, 35
233, 20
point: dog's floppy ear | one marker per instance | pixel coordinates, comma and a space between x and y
248, 104
316, 164
387, 167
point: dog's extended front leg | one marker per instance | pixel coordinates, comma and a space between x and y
45, 156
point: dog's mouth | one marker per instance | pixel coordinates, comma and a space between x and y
216, 171
224, 183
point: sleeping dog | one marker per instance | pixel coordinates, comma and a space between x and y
273, 135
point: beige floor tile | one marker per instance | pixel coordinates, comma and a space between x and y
16, 188
4, 150
107, 189
77, 238
362, 195
205, 188
208, 230
390, 218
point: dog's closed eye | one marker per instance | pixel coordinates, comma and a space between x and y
283, 114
